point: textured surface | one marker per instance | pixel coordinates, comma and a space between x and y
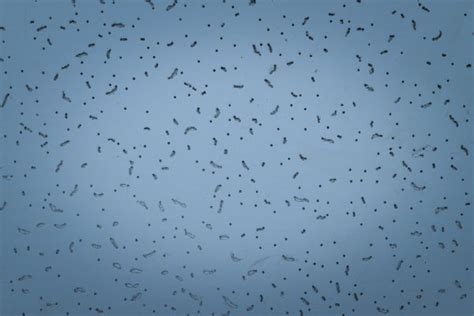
277, 157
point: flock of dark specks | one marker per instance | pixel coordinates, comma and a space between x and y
236, 157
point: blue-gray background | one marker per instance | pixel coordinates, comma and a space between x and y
322, 235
